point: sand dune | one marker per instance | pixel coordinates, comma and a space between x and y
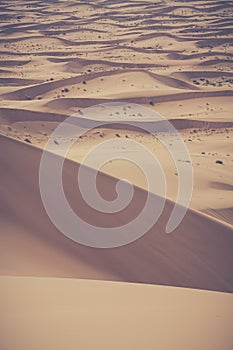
60, 57
42, 89
224, 214
11, 116
51, 313
141, 53
198, 254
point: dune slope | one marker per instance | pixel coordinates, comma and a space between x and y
198, 254
49, 313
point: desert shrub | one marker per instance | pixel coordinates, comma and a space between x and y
219, 162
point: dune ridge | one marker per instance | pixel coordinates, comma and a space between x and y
197, 255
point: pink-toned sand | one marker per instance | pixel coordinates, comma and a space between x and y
174, 58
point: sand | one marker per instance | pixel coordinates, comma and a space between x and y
198, 254
56, 313
174, 58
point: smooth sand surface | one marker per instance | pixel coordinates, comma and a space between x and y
51, 313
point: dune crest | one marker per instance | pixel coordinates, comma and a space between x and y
197, 255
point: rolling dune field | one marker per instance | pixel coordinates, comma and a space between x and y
172, 59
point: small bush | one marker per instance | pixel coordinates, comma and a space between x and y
219, 162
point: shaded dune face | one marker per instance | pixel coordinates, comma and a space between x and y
57, 57
197, 255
